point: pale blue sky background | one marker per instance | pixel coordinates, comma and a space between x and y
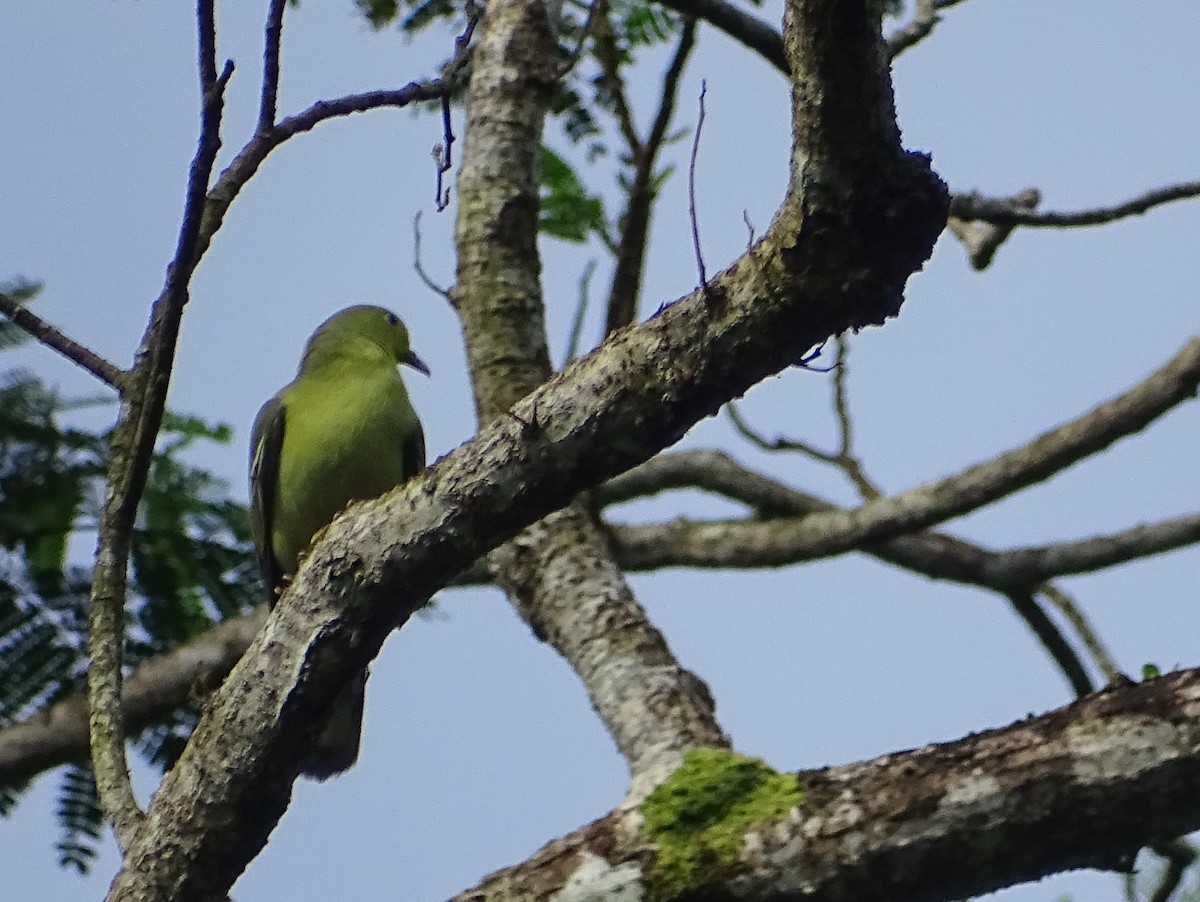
480, 745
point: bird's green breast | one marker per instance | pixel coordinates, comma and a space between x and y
343, 442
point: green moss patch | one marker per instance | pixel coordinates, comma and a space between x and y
699, 816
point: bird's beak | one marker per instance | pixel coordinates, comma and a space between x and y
416, 362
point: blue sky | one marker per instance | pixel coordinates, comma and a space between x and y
479, 742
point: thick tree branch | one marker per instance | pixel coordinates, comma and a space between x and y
1083, 786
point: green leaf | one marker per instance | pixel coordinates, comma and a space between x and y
380, 13
569, 212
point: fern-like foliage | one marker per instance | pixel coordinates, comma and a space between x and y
191, 566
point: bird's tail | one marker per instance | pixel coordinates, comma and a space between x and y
336, 748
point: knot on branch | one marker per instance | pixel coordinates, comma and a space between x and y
860, 238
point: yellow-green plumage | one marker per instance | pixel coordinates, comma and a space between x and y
343, 430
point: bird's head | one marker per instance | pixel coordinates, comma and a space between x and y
364, 322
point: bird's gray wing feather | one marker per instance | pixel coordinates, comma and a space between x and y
266, 445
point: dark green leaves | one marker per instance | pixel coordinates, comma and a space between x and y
569, 212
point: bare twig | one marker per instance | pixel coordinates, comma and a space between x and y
982, 239
443, 157
1050, 636
443, 153
846, 459
626, 283
973, 206
420, 269
576, 336
739, 25
585, 32
1087, 635
925, 19
608, 57
108, 373
692, 188
779, 443
270, 78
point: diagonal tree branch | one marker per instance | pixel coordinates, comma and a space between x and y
108, 373
1003, 211
1083, 786
740, 25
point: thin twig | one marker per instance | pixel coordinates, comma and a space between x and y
270, 79
443, 153
420, 269
692, 188
608, 57
974, 206
108, 373
779, 443
1091, 640
585, 32
443, 157
576, 336
1052, 639
626, 285
846, 460
924, 19
754, 33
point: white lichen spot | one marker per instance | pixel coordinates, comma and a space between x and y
595, 880
975, 790
1119, 748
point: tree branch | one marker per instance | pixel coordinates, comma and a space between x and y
273, 35
132, 446
159, 686
1083, 786
108, 373
973, 206
822, 534
559, 574
626, 285
748, 30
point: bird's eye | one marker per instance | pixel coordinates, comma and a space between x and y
392, 319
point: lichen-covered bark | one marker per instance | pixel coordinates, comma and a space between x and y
560, 573
1084, 786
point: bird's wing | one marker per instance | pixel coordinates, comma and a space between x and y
266, 444
413, 450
